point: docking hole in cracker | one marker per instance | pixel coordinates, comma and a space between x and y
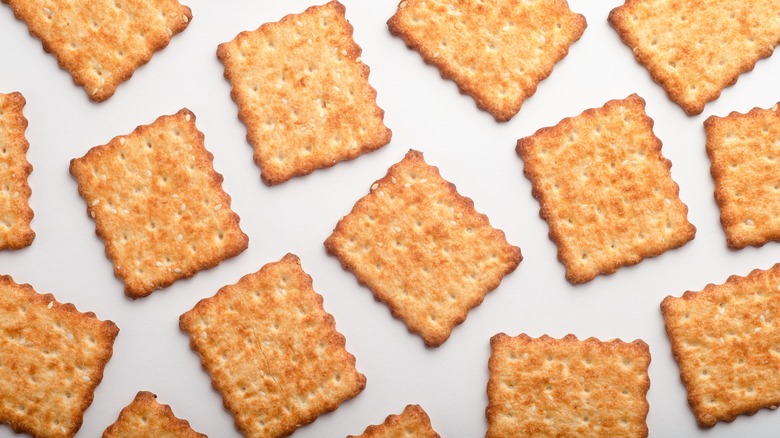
15, 212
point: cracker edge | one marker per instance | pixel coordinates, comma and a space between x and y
415, 411
150, 400
17, 105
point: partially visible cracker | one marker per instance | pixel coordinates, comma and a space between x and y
605, 189
15, 211
51, 360
725, 340
696, 48
422, 249
497, 51
303, 93
412, 422
272, 351
101, 42
567, 387
158, 204
146, 417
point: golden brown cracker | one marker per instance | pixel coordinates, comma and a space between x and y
272, 351
567, 387
605, 189
158, 204
422, 249
15, 211
146, 417
412, 422
303, 93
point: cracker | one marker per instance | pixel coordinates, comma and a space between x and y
412, 422
15, 211
303, 93
497, 52
724, 339
422, 249
51, 360
696, 48
158, 204
567, 387
605, 189
272, 351
101, 42
145, 417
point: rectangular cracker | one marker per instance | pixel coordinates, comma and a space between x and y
696, 48
101, 42
605, 189
303, 93
725, 340
412, 422
51, 360
422, 249
158, 204
567, 387
272, 351
146, 417
497, 52
15, 211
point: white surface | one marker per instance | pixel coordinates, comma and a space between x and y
425, 113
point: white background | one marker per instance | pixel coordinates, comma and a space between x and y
425, 113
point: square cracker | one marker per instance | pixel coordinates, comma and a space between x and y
412, 422
605, 189
146, 417
15, 211
303, 93
496, 51
746, 170
272, 351
696, 48
101, 42
158, 204
725, 340
51, 360
422, 249
567, 387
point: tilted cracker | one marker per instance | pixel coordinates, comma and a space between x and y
422, 249
605, 189
146, 417
272, 351
412, 422
51, 360
158, 204
15, 211
303, 93
497, 51
567, 387
101, 42
724, 339
696, 48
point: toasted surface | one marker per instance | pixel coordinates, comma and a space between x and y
272, 351
567, 387
145, 417
724, 339
422, 249
15, 211
605, 189
303, 93
412, 422
52, 360
744, 164
497, 51
158, 204
101, 42
696, 48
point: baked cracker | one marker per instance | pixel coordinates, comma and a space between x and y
146, 417
412, 422
51, 360
101, 42
605, 189
422, 249
303, 93
15, 211
497, 51
696, 48
567, 387
158, 204
724, 339
272, 351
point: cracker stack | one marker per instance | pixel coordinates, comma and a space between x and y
146, 418
15, 211
412, 422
